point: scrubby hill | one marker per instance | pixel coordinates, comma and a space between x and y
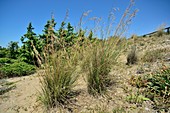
126, 92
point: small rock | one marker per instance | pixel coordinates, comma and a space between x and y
147, 109
139, 72
146, 65
167, 59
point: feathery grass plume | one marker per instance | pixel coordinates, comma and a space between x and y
96, 27
160, 30
125, 20
85, 14
102, 54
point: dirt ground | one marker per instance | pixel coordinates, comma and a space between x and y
23, 98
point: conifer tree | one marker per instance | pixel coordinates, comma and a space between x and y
30, 51
13, 49
90, 35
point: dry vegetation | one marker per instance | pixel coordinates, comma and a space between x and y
123, 85
93, 76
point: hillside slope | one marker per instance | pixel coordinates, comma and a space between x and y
23, 98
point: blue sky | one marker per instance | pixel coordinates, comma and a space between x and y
16, 14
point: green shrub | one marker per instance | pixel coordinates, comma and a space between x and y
158, 88
138, 81
6, 60
136, 98
4, 52
16, 69
132, 58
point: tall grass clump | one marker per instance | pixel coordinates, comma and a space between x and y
58, 79
103, 54
101, 57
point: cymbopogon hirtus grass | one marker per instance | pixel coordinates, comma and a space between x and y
102, 54
100, 57
58, 81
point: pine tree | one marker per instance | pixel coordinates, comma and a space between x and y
13, 49
62, 32
70, 34
90, 35
30, 51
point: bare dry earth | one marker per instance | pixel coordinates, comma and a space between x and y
23, 98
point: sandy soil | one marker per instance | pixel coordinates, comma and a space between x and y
23, 98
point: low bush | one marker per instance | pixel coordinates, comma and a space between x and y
132, 58
158, 88
136, 98
154, 55
160, 33
138, 81
16, 69
4, 61
151, 56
